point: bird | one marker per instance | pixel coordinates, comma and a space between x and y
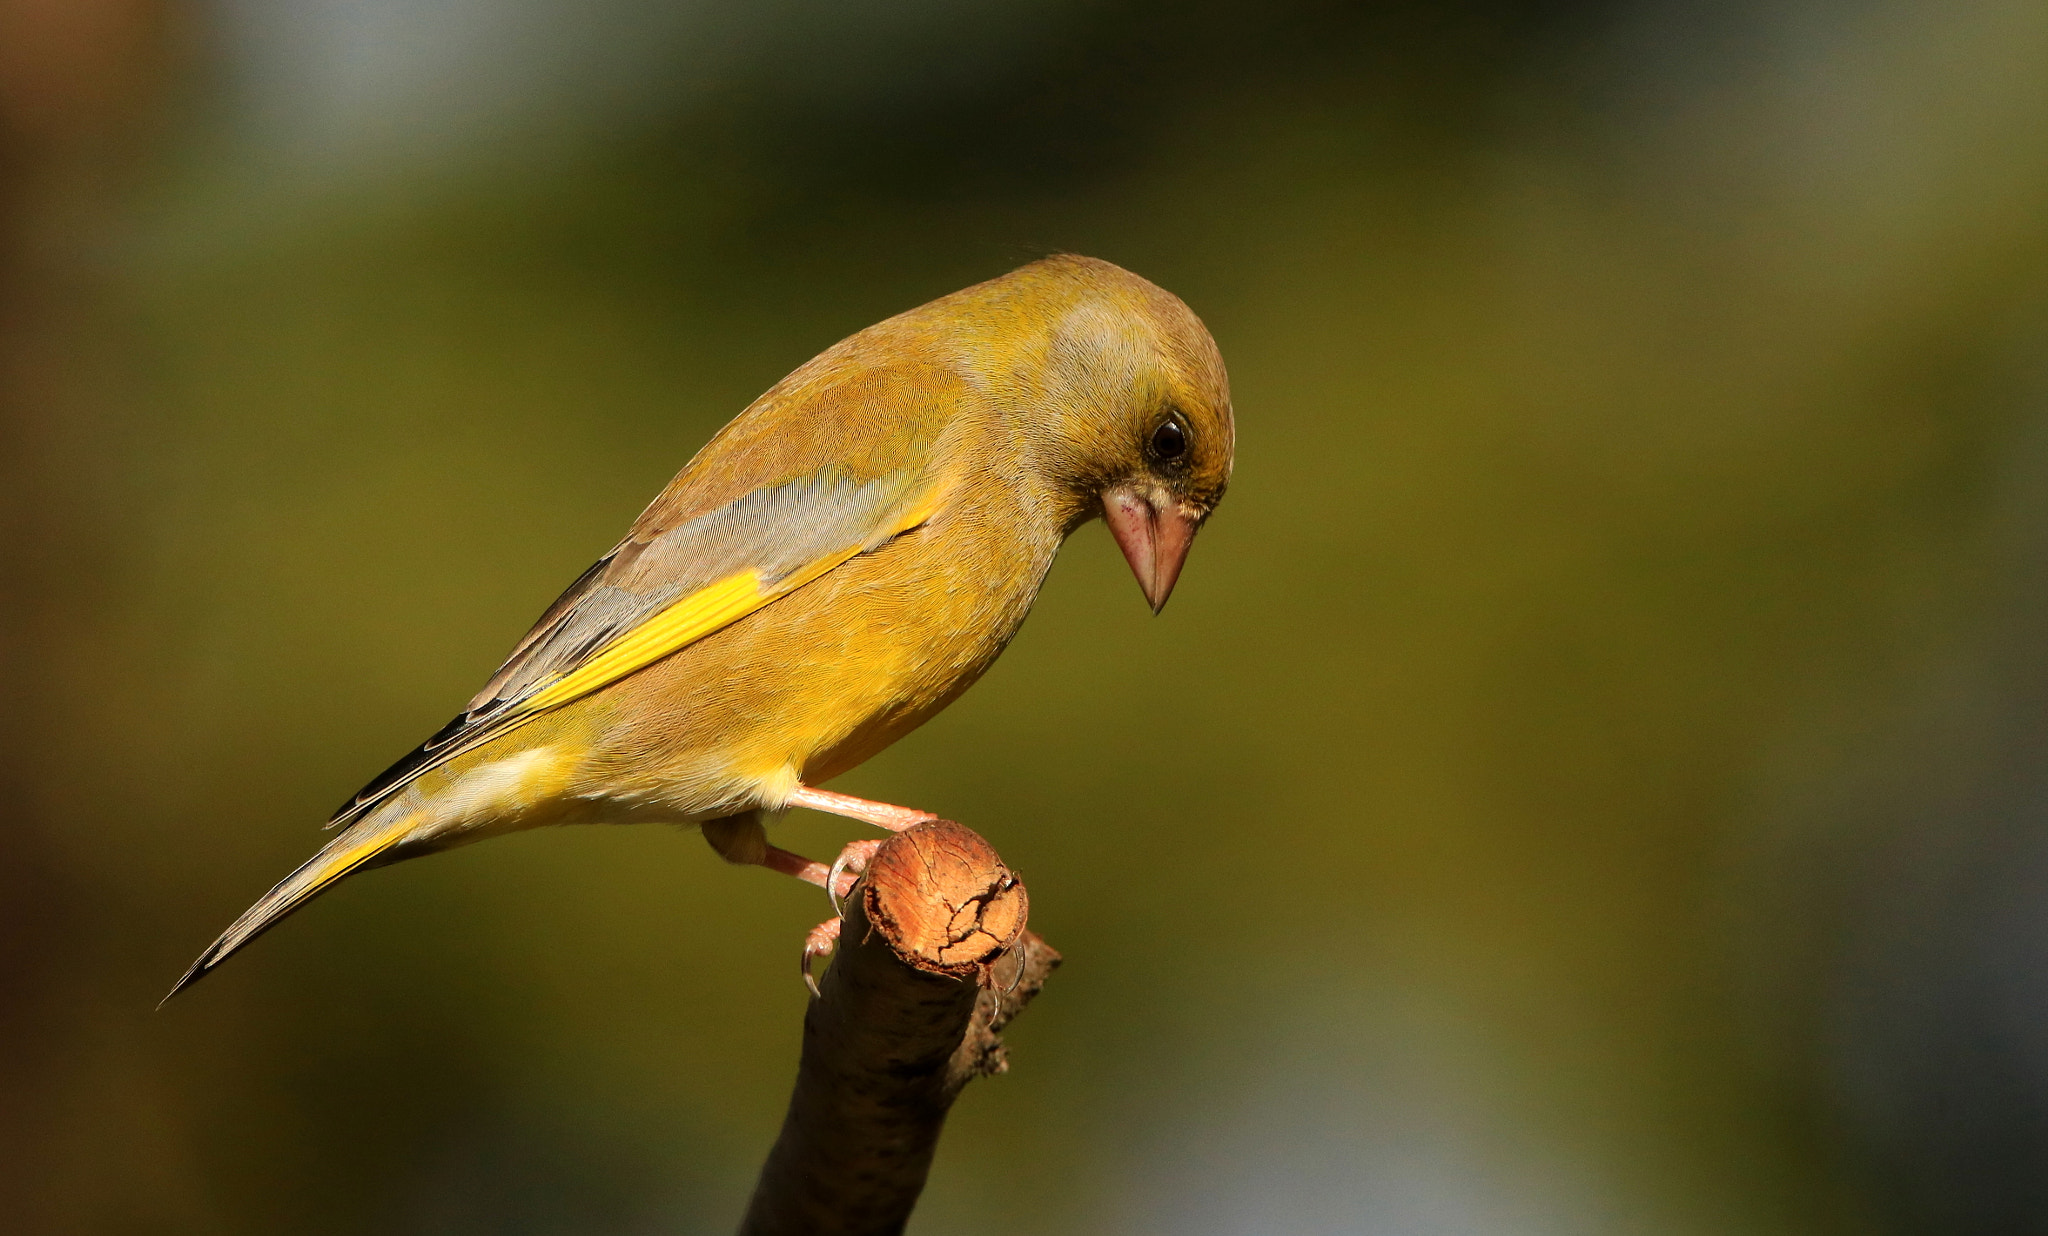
836, 565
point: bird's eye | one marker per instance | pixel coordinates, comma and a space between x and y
1169, 441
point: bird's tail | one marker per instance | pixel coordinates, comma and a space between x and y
368, 843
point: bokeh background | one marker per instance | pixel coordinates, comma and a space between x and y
1593, 775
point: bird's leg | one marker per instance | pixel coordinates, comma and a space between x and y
837, 880
819, 941
881, 815
777, 859
741, 839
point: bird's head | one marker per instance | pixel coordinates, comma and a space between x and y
1127, 410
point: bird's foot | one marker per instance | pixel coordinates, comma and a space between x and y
846, 869
839, 882
819, 943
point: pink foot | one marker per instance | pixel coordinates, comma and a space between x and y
847, 867
819, 943
839, 883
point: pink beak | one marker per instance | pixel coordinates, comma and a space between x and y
1154, 540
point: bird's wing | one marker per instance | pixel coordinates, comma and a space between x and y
751, 519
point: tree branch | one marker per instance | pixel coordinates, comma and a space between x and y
933, 961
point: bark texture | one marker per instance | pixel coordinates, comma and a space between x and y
933, 961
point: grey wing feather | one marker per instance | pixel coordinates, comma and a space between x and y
776, 531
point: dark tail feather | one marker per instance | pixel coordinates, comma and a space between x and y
354, 849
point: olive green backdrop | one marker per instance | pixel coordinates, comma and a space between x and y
1583, 784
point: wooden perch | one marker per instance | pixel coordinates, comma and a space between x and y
933, 961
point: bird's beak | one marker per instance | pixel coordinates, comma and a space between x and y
1154, 532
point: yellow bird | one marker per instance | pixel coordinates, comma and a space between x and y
836, 565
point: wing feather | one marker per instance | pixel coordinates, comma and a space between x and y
690, 568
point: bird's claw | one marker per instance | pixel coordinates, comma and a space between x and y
853, 858
819, 943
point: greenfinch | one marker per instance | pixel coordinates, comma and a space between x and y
834, 567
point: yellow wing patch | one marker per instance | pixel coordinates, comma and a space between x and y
685, 622
689, 619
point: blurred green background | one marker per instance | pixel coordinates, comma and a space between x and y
1592, 777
